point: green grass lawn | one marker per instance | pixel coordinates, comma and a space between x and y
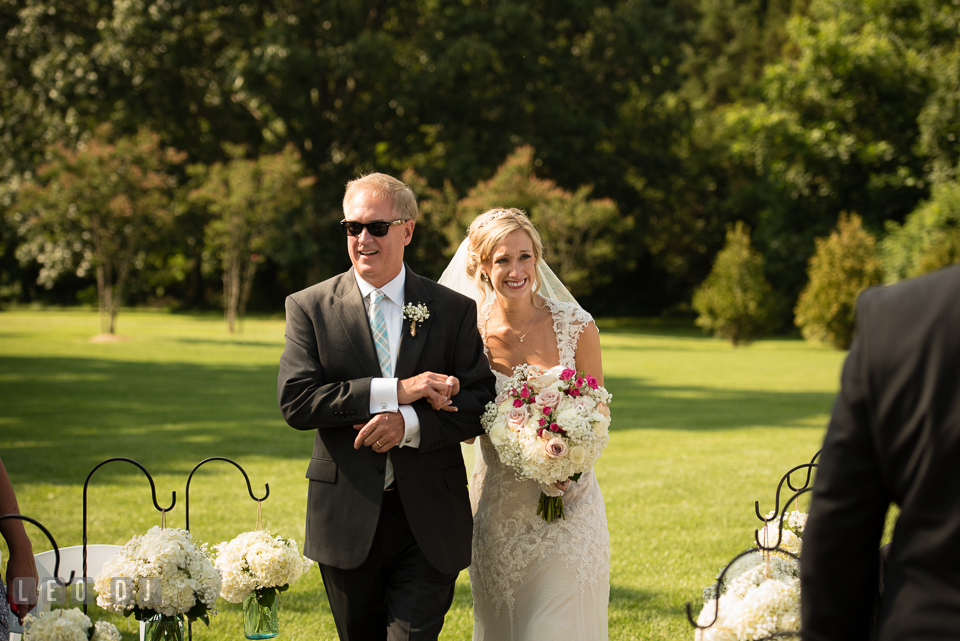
700, 431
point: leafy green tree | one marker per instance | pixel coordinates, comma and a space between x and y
844, 265
97, 209
928, 240
582, 237
247, 198
735, 301
834, 125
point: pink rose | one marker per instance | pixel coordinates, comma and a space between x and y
549, 398
592, 382
603, 408
517, 402
525, 392
567, 374
518, 417
555, 448
574, 392
500, 398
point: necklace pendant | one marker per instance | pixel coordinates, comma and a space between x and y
521, 339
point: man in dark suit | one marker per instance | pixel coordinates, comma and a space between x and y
894, 438
391, 398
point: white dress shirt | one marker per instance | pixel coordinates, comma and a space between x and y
383, 391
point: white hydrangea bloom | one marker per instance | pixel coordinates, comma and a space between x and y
67, 625
186, 575
752, 611
255, 560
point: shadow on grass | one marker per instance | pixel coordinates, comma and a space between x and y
66, 415
236, 342
637, 405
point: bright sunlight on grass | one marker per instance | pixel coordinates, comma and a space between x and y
700, 431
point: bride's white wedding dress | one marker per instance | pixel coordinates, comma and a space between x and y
534, 580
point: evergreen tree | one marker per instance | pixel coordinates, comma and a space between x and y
844, 265
735, 301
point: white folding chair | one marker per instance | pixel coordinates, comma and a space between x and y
71, 560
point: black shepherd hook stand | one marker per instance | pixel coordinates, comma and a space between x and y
763, 547
56, 548
249, 491
153, 490
788, 479
245, 477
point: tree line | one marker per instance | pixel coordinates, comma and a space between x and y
635, 132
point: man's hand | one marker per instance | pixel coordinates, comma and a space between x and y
438, 389
381, 432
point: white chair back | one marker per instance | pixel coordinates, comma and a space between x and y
71, 560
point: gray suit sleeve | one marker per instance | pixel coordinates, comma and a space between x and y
306, 400
477, 383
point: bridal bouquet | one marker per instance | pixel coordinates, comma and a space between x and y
161, 572
549, 427
256, 562
67, 625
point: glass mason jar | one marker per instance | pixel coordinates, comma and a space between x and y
261, 614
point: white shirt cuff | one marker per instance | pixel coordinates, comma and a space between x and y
411, 428
383, 395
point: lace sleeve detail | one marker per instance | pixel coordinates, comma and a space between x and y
569, 320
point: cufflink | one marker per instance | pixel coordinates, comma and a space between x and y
383, 406
408, 440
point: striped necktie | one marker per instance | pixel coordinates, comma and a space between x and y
378, 325
380, 338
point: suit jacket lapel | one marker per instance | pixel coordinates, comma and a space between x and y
414, 293
353, 320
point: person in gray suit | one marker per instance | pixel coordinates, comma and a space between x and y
894, 437
391, 394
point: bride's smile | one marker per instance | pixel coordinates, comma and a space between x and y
512, 266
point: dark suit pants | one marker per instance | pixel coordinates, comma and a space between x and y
395, 594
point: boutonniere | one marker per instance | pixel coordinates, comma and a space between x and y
415, 314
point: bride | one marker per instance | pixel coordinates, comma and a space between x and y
530, 579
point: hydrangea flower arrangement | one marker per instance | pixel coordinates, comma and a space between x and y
67, 625
256, 562
189, 583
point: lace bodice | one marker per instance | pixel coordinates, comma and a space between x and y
509, 538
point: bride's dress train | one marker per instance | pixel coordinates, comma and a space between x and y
534, 580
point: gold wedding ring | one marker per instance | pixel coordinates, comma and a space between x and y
378, 443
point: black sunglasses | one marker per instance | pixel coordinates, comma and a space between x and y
378, 228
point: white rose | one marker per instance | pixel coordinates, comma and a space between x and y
548, 378
497, 434
578, 454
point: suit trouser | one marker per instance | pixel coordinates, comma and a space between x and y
395, 594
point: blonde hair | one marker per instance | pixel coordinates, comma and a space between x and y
384, 187
486, 232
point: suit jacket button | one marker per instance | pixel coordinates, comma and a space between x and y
379, 470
